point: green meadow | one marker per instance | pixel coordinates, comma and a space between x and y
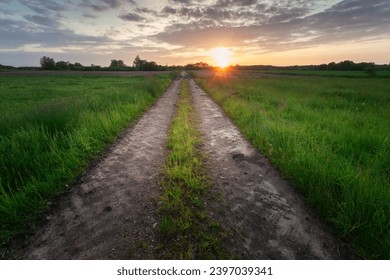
330, 137
330, 73
51, 128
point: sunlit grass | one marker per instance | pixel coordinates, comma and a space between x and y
51, 127
331, 139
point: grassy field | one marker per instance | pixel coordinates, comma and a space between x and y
331, 139
330, 73
185, 230
51, 127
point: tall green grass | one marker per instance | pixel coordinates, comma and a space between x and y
51, 127
186, 231
331, 139
332, 73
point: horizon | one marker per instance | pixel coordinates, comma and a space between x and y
180, 32
212, 66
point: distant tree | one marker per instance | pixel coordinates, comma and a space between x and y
95, 67
62, 64
370, 69
117, 63
139, 63
47, 63
149, 66
76, 66
197, 66
114, 63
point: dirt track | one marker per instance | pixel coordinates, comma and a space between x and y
112, 214
262, 207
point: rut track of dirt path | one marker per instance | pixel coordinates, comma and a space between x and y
264, 209
113, 212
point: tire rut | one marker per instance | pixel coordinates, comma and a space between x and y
112, 213
272, 220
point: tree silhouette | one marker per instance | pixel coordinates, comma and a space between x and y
117, 63
139, 63
47, 63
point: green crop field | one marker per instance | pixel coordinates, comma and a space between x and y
330, 137
51, 127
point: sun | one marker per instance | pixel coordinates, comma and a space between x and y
221, 56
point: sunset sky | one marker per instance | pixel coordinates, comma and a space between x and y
285, 32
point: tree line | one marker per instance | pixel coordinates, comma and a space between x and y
346, 65
48, 63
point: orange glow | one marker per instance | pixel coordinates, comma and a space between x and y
223, 72
221, 56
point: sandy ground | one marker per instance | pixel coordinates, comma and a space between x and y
112, 213
259, 205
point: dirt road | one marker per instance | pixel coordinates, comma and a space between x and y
264, 209
112, 213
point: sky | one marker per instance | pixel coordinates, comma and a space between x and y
177, 32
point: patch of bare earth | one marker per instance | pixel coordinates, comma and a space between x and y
271, 219
112, 213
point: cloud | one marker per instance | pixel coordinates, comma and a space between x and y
104, 5
230, 3
186, 2
189, 25
131, 17
285, 27
143, 10
168, 10
42, 20
19, 33
43, 6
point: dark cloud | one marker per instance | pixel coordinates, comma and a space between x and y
6, 12
88, 15
42, 20
43, 6
230, 3
104, 5
187, 2
168, 10
234, 13
131, 17
143, 10
44, 12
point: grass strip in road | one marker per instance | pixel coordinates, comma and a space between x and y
186, 231
50, 129
331, 139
